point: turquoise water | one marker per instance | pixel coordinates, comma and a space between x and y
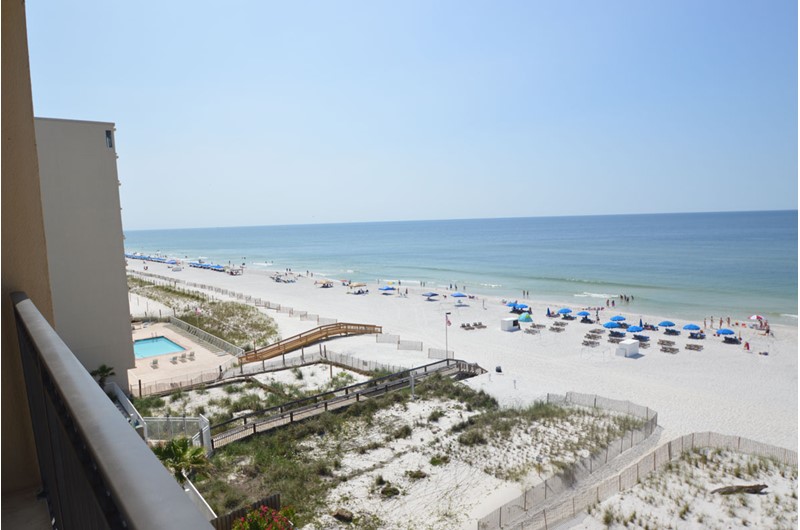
677, 265
145, 348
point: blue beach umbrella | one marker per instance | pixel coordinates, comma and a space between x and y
564, 311
635, 329
458, 295
525, 317
618, 318
691, 327
430, 294
666, 324
386, 288
583, 313
511, 304
726, 331
610, 325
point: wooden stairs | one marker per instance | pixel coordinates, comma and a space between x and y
312, 336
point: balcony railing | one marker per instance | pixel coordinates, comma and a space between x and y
95, 470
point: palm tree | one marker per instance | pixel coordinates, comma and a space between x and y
182, 458
102, 373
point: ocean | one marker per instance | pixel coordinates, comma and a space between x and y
674, 265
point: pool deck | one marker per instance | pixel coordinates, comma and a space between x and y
170, 365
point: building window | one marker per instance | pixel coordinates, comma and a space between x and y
109, 140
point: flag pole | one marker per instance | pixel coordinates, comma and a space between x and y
446, 325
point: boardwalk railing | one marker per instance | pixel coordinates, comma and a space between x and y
307, 338
264, 420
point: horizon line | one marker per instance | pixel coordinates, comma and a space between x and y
457, 219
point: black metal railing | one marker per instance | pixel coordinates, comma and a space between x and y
96, 472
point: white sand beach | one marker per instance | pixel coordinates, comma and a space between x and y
722, 388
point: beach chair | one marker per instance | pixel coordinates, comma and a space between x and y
183, 357
174, 359
191, 356
154, 363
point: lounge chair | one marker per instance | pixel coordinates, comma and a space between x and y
183, 357
670, 331
191, 356
154, 363
174, 360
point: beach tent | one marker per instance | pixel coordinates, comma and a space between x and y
386, 288
525, 317
509, 324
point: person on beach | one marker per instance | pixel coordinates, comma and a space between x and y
704, 323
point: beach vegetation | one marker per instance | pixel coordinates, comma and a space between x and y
146, 405
240, 324
183, 459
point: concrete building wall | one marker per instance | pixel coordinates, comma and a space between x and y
83, 229
24, 254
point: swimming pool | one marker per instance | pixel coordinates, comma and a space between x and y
144, 348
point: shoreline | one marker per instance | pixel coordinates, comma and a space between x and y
723, 388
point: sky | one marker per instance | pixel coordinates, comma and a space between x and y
269, 113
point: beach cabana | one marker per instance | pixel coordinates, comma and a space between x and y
509, 324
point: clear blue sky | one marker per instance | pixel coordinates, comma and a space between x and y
258, 113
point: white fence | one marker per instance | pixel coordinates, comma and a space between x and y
533, 499
304, 359
409, 345
385, 338
437, 353
206, 337
631, 475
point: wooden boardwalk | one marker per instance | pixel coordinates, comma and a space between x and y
307, 338
262, 421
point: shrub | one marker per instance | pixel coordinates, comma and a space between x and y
440, 460
435, 415
473, 437
402, 432
264, 518
390, 491
416, 474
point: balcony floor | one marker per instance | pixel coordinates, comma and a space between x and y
23, 510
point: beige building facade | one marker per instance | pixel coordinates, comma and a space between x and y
83, 234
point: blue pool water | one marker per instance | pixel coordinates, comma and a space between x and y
156, 346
